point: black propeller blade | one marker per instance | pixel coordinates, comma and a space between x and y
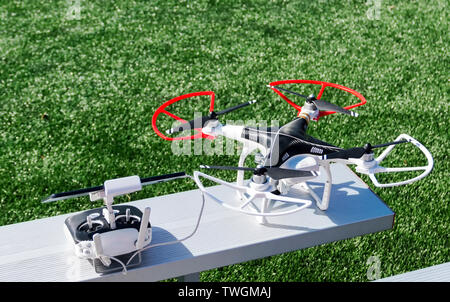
273, 172
201, 121
197, 122
86, 191
358, 151
235, 107
291, 92
320, 104
327, 106
280, 173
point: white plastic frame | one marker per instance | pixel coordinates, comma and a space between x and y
252, 195
376, 168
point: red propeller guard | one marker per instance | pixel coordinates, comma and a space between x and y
162, 109
324, 85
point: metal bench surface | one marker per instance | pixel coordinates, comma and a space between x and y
39, 251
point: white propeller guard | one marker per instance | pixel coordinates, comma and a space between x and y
376, 168
253, 194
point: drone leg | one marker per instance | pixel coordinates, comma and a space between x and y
246, 150
264, 205
327, 190
322, 203
240, 174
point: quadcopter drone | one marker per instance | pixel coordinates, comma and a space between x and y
287, 156
119, 233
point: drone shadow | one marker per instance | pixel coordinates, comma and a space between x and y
288, 227
349, 202
280, 206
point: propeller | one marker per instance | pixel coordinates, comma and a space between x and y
320, 104
86, 191
358, 151
273, 172
201, 121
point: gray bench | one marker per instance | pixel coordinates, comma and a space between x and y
435, 273
39, 251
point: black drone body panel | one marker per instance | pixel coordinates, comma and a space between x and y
288, 141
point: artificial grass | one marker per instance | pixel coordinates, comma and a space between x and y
77, 96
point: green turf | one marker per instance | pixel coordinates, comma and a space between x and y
77, 96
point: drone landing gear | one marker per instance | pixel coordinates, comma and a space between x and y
256, 197
324, 202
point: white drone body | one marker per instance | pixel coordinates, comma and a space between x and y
257, 193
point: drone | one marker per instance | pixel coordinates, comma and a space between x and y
286, 157
112, 238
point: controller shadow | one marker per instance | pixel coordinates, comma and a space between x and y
159, 254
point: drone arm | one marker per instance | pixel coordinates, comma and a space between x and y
215, 128
235, 132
